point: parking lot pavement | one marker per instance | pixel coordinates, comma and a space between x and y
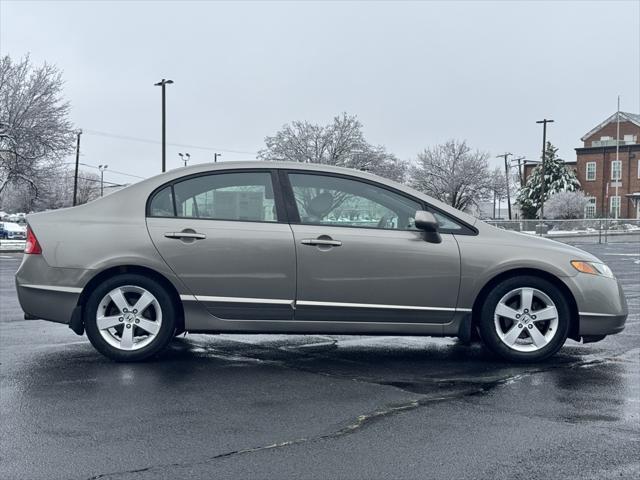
275, 406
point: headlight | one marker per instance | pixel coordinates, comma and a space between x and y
593, 268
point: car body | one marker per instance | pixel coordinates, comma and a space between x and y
12, 231
270, 247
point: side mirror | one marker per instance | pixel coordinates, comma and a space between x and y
427, 222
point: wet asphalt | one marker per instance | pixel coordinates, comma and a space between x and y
275, 406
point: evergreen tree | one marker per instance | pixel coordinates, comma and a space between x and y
557, 178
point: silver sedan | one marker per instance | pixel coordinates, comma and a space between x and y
255, 247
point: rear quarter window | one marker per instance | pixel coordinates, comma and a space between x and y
162, 203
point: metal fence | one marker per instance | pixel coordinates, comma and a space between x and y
12, 245
587, 230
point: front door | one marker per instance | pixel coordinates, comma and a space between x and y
360, 258
221, 234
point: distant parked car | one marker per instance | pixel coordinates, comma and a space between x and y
19, 218
259, 247
12, 231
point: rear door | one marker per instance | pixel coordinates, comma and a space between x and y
360, 258
225, 236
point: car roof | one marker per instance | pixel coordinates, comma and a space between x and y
141, 190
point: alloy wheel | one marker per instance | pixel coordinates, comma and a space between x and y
129, 317
526, 319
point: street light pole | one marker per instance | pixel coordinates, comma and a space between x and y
619, 178
506, 172
75, 176
102, 168
215, 157
185, 158
544, 149
163, 83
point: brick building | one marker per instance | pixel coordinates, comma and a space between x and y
599, 172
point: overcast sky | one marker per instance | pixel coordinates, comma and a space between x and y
415, 73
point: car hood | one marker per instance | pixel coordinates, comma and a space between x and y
537, 243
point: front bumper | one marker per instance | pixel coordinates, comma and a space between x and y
595, 325
602, 306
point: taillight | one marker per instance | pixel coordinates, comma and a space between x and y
32, 247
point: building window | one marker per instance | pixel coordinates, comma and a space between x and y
591, 171
639, 170
614, 206
616, 170
590, 208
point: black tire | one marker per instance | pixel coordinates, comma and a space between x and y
163, 336
488, 328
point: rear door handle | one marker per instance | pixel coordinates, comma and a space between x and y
194, 235
321, 241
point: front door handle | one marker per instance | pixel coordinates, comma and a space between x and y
322, 242
193, 235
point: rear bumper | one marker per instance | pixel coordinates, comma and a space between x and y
46, 292
40, 302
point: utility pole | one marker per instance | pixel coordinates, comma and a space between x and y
518, 161
506, 172
75, 176
185, 158
544, 150
215, 157
163, 83
102, 168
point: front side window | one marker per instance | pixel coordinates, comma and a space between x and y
246, 196
337, 201
591, 171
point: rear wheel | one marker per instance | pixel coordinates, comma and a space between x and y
525, 319
129, 317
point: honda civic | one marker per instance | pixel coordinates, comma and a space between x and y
291, 248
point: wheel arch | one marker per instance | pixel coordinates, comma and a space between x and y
516, 272
145, 271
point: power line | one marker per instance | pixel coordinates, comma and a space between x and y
112, 171
157, 142
113, 184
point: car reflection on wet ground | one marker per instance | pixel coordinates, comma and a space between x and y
276, 406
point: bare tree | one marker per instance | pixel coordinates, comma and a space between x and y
453, 174
566, 205
35, 131
54, 192
88, 187
340, 143
498, 189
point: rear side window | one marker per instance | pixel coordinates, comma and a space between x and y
162, 203
246, 196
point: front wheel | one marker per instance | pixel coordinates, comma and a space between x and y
129, 317
525, 319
